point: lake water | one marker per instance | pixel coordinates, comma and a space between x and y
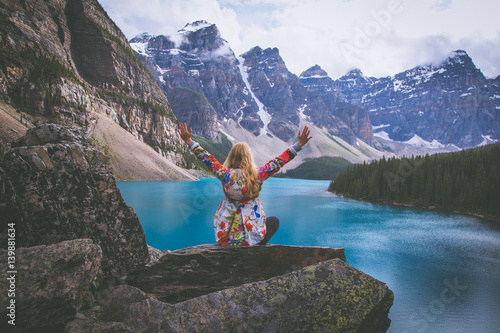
444, 269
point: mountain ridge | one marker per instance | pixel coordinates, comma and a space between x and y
451, 103
253, 93
277, 101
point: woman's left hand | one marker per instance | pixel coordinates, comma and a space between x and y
304, 136
185, 135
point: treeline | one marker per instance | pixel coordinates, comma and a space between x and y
465, 181
322, 168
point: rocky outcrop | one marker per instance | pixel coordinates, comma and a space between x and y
270, 288
61, 60
452, 103
329, 296
195, 271
51, 284
55, 186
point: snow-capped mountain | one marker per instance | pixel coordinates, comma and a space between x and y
201, 77
324, 106
212, 90
255, 90
429, 106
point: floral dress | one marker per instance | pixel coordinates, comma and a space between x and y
240, 220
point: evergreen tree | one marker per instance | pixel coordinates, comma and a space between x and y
466, 181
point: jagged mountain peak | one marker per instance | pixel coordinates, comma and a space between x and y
459, 57
198, 39
197, 25
141, 38
266, 59
459, 54
314, 71
258, 51
315, 79
354, 77
355, 73
203, 37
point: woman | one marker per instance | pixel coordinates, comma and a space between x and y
240, 218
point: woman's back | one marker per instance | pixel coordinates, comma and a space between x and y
240, 218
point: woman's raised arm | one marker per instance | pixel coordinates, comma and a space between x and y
211, 162
277, 163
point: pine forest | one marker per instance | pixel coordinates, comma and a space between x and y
466, 181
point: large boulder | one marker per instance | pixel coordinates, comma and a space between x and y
55, 186
199, 270
271, 288
330, 296
50, 285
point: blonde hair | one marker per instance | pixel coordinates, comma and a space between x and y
240, 156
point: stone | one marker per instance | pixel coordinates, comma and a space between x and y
55, 186
154, 255
50, 133
330, 296
85, 326
51, 283
199, 270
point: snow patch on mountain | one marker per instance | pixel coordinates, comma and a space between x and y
419, 142
195, 26
263, 114
383, 135
140, 48
374, 128
487, 140
301, 112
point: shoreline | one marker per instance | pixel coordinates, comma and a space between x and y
492, 218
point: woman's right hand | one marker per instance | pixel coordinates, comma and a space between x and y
185, 135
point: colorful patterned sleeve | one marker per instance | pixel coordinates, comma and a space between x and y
211, 162
277, 163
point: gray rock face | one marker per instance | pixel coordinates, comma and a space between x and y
56, 187
452, 103
275, 87
327, 107
326, 297
200, 77
51, 283
63, 60
195, 271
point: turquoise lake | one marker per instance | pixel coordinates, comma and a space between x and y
443, 268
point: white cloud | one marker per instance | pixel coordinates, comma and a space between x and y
385, 36
164, 17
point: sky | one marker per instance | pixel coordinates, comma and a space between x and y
379, 37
